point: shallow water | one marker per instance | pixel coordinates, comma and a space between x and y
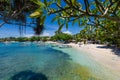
85, 59
34, 62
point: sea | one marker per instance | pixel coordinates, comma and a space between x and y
42, 61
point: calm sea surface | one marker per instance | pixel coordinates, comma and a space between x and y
30, 61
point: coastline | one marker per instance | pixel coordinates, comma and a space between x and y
103, 56
100, 60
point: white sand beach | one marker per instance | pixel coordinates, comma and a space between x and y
104, 56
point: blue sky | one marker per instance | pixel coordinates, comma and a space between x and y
10, 30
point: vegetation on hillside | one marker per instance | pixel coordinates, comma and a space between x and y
62, 37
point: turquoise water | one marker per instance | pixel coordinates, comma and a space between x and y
16, 58
96, 68
34, 62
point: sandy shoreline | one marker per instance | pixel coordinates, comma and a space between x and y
104, 56
101, 55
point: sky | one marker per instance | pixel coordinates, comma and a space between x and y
10, 30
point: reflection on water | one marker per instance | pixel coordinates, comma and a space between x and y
33, 62
28, 75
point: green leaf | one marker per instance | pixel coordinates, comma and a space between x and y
59, 1
73, 2
59, 23
83, 21
35, 14
44, 17
61, 26
39, 3
38, 10
79, 22
49, 3
45, 2
74, 22
55, 18
66, 25
43, 20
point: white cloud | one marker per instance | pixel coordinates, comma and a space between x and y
28, 35
46, 34
67, 32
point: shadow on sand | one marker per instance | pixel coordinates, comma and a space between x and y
28, 75
114, 49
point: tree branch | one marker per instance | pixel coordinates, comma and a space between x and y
59, 10
86, 6
117, 19
99, 6
80, 16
